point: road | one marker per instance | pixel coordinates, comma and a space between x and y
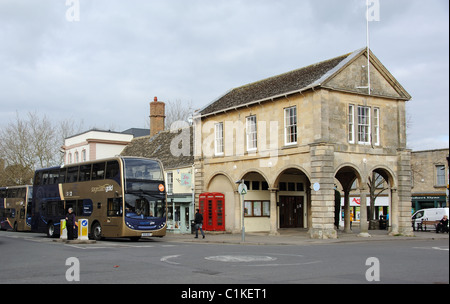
33, 258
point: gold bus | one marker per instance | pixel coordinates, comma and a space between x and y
120, 197
15, 208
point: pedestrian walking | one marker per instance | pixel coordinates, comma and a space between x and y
70, 224
198, 221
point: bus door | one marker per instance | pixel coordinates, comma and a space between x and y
21, 223
112, 226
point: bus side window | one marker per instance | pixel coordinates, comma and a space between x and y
38, 178
98, 171
45, 178
85, 173
114, 207
53, 177
62, 176
72, 175
112, 169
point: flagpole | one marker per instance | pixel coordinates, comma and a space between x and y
368, 47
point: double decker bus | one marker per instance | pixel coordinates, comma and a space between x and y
120, 197
15, 208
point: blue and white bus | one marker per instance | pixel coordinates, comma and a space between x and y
120, 197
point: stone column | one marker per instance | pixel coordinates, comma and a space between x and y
322, 200
237, 213
273, 212
403, 193
347, 228
394, 213
363, 213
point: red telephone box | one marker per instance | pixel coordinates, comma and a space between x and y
212, 207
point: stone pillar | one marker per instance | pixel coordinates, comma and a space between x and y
363, 213
199, 186
394, 214
404, 193
273, 212
237, 213
347, 224
322, 201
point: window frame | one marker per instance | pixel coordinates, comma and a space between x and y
290, 126
264, 205
376, 126
364, 125
440, 178
219, 139
351, 123
251, 130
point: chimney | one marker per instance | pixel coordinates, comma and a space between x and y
157, 116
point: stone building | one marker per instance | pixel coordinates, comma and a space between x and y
430, 178
293, 137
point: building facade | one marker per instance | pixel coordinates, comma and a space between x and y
430, 174
292, 138
94, 144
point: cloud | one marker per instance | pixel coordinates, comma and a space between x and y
107, 67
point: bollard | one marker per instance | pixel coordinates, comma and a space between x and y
63, 230
83, 231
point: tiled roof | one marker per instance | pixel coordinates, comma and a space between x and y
275, 86
159, 147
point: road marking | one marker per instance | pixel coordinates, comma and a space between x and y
240, 258
86, 248
439, 248
167, 258
280, 265
432, 248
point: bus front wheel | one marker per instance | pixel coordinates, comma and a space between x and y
97, 231
51, 230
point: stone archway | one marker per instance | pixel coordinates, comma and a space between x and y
221, 183
258, 211
346, 176
293, 195
379, 181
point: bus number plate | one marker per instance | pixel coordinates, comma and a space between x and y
147, 234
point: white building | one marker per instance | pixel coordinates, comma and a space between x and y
96, 144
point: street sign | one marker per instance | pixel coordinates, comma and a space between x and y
83, 229
243, 189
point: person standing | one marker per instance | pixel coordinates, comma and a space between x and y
198, 224
70, 224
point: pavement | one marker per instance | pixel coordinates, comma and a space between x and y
297, 237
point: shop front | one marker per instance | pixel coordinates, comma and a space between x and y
426, 201
179, 213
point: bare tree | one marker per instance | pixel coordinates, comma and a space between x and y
29, 143
177, 111
376, 187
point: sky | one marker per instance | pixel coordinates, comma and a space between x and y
101, 62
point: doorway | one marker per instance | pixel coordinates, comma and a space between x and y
291, 211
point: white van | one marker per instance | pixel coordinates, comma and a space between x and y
432, 214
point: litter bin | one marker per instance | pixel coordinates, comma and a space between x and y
383, 222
